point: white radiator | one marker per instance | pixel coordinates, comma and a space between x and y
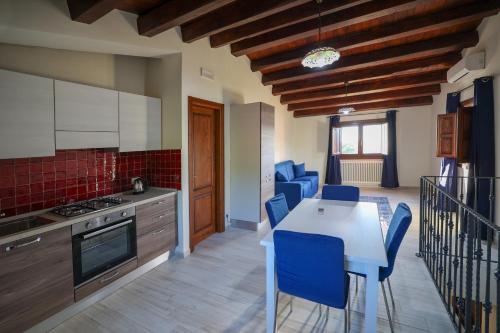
361, 172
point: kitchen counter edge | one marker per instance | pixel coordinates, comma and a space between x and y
151, 195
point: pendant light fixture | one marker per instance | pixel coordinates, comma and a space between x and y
322, 55
346, 109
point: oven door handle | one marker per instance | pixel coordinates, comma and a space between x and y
115, 226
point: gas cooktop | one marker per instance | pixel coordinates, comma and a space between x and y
90, 206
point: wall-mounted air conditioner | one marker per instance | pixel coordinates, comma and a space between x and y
468, 64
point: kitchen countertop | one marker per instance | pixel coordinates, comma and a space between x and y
152, 194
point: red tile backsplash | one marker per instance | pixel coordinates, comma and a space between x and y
28, 184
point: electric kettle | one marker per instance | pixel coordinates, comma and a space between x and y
139, 186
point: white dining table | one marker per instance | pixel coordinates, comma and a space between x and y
357, 224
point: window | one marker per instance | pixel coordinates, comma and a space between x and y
360, 139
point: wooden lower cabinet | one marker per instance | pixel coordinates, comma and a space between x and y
156, 228
36, 279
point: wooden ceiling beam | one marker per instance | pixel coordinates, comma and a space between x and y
235, 14
428, 90
442, 62
409, 27
175, 12
391, 104
89, 11
293, 15
370, 87
340, 19
400, 53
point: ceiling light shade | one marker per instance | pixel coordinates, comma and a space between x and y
320, 57
346, 109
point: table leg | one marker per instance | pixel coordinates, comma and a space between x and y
371, 298
270, 289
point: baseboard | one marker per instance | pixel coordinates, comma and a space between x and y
248, 225
74, 309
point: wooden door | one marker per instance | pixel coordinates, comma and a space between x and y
206, 169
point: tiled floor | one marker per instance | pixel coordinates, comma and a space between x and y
221, 288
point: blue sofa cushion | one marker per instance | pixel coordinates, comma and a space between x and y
285, 168
299, 170
306, 187
281, 177
313, 180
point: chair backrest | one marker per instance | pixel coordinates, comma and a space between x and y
311, 266
277, 209
397, 229
340, 192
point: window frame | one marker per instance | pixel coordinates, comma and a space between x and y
360, 124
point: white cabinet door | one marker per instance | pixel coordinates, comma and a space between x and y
154, 124
80, 107
140, 122
26, 115
82, 140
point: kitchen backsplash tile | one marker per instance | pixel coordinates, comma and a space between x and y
28, 184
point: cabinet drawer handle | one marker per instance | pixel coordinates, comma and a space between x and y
159, 203
104, 280
158, 232
13, 247
158, 218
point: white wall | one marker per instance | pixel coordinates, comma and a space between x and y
118, 72
413, 126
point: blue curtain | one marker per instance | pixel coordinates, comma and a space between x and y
449, 165
390, 167
333, 176
482, 159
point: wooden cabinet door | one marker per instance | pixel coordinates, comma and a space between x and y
464, 128
36, 279
447, 135
156, 228
84, 108
26, 115
140, 122
266, 157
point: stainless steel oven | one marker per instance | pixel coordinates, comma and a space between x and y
101, 243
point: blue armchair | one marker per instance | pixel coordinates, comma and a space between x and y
294, 182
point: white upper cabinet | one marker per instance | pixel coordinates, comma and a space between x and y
140, 122
84, 108
26, 115
86, 117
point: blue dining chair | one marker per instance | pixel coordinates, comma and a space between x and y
340, 192
311, 267
398, 227
277, 209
